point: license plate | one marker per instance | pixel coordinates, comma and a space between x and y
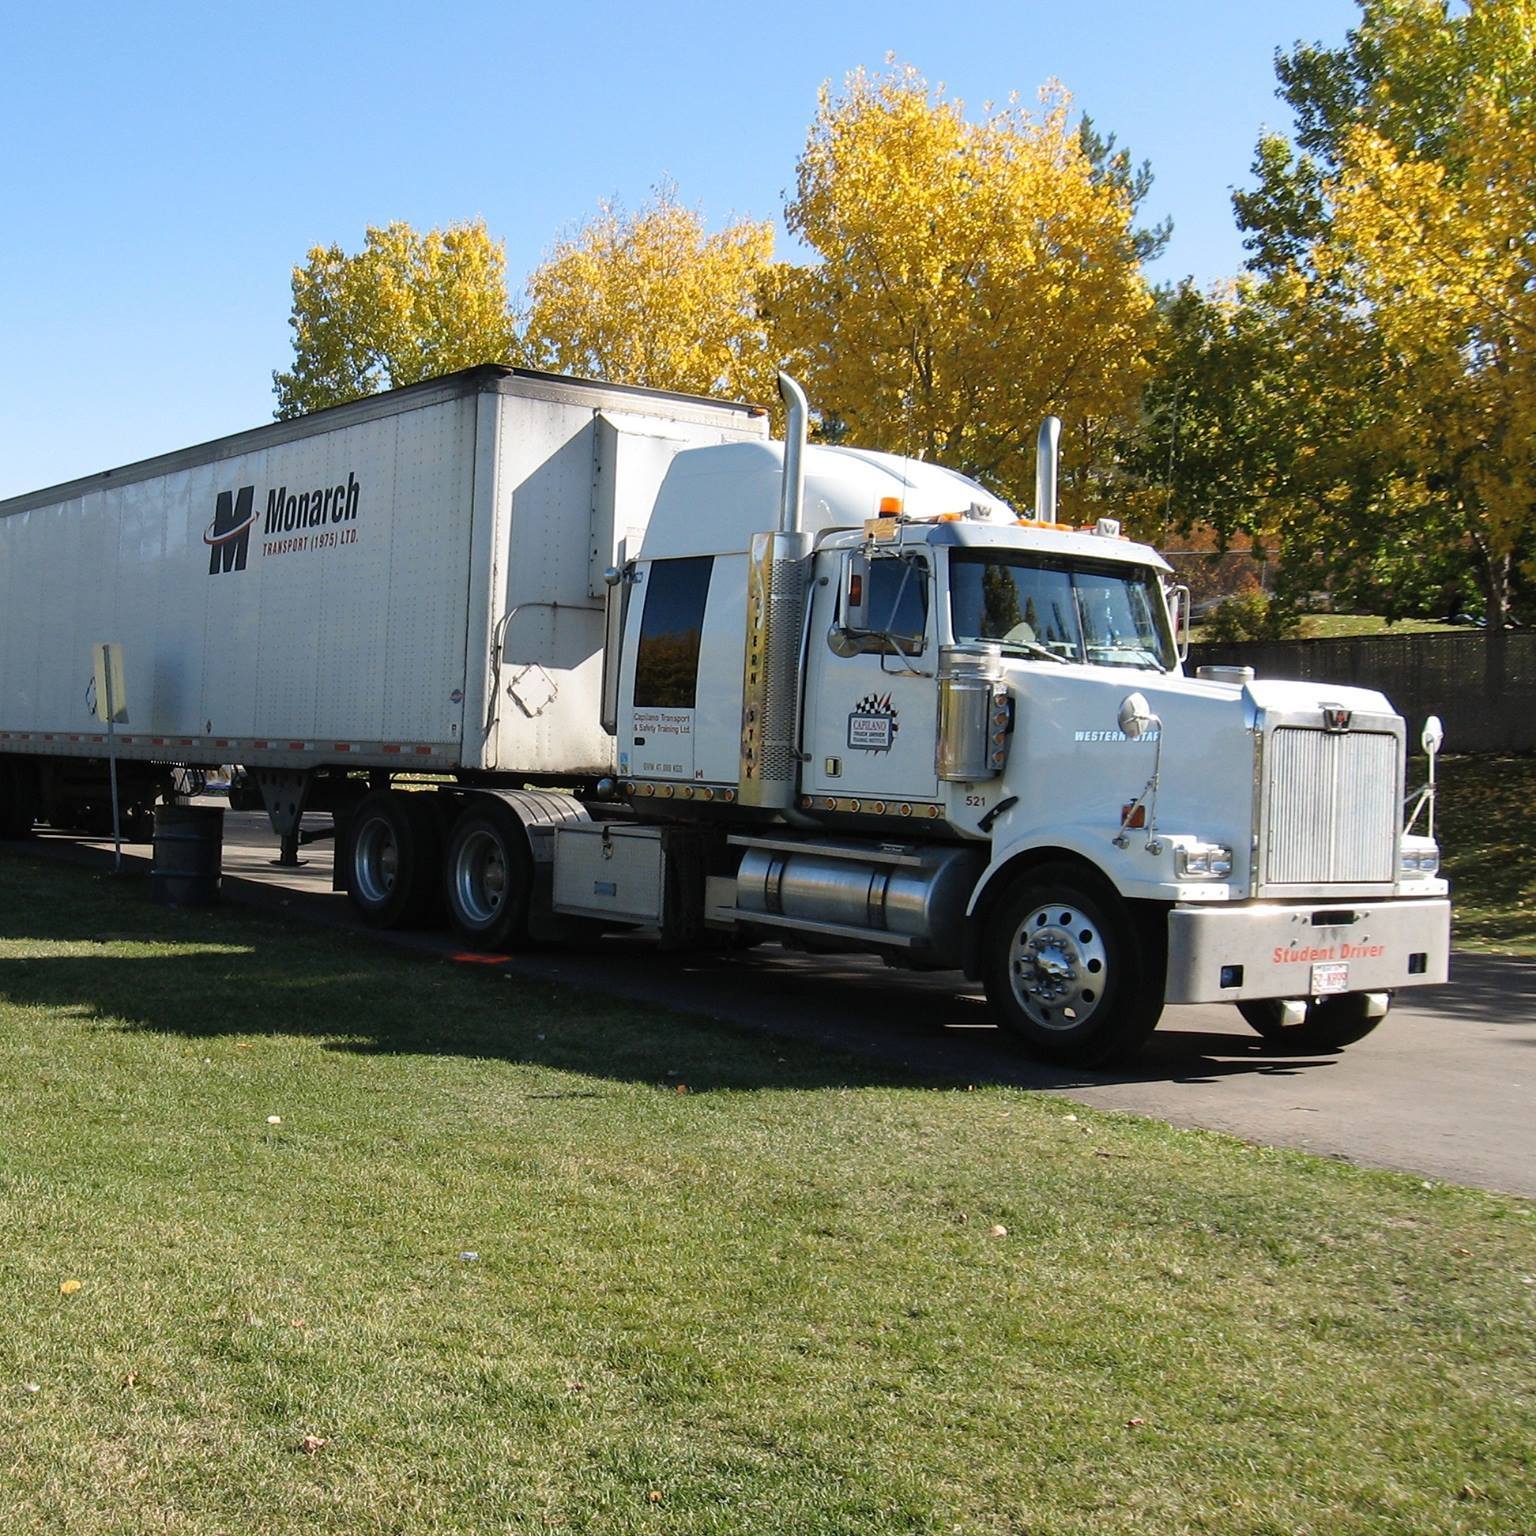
1332, 977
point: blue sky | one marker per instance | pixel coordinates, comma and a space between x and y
166, 165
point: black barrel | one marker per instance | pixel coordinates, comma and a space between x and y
189, 850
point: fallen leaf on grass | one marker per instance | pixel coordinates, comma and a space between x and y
68, 1287
655, 1495
312, 1443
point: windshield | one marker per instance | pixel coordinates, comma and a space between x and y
1063, 610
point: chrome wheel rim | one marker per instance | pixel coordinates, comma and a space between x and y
480, 878
376, 860
1058, 967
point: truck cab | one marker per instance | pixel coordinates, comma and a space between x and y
961, 736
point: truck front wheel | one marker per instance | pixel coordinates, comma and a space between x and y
393, 856
1067, 970
1331, 1022
489, 877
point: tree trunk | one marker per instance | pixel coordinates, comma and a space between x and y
1494, 572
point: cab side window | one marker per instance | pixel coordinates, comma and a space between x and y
885, 607
897, 604
671, 632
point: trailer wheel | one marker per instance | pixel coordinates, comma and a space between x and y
18, 801
1068, 969
488, 876
1331, 1022
393, 853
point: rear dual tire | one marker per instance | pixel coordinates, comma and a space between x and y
402, 872
394, 859
488, 876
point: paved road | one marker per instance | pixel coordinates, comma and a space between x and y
1444, 1088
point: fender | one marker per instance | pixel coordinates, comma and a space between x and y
1090, 847
539, 810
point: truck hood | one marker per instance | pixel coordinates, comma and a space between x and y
1074, 771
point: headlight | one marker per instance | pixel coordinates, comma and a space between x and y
1204, 861
1422, 858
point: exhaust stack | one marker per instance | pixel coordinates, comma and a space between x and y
1047, 459
777, 570
792, 491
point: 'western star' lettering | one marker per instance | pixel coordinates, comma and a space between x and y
309, 509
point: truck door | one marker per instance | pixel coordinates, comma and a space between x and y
658, 685
871, 700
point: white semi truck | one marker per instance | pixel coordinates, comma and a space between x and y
562, 657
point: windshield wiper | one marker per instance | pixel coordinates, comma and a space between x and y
1033, 649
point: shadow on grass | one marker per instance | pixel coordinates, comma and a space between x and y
770, 1019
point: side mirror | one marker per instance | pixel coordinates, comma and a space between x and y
1182, 613
1136, 717
1434, 734
856, 591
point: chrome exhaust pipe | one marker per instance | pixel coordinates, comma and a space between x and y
792, 491
1047, 458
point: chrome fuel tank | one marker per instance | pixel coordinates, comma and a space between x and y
916, 892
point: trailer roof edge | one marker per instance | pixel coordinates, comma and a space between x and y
495, 378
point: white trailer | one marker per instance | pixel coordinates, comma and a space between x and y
674, 676
412, 582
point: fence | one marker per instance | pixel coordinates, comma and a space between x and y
1442, 675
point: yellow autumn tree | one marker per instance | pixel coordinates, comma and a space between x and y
1442, 251
973, 276
651, 298
406, 307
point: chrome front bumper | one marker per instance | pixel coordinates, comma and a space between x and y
1257, 949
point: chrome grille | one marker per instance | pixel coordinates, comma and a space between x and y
1332, 816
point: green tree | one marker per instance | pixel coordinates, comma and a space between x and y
1394, 241
406, 307
1363, 394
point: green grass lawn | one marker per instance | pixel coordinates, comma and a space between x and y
520, 1259
1484, 827
1340, 626
1337, 626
